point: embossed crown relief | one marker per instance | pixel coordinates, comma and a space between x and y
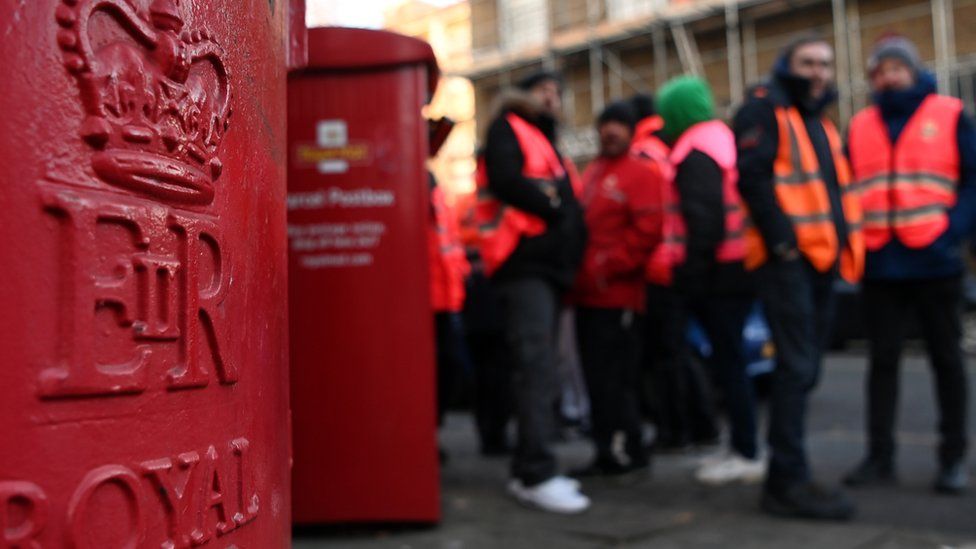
156, 96
143, 262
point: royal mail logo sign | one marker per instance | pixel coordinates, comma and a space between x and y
333, 152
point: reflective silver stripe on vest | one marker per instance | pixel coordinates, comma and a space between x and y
811, 218
798, 177
918, 177
875, 217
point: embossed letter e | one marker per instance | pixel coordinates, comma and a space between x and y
150, 285
157, 97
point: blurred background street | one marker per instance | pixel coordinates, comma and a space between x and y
606, 50
671, 510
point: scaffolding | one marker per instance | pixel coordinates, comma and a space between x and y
612, 48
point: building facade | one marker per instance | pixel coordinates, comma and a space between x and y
448, 30
608, 49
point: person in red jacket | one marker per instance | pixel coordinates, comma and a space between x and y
623, 214
448, 269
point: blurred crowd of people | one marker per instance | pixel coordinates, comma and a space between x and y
682, 216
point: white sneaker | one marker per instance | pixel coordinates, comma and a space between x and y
713, 458
732, 468
571, 482
555, 495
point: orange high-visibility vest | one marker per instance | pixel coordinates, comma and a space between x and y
907, 188
649, 147
646, 144
802, 195
448, 262
716, 140
500, 227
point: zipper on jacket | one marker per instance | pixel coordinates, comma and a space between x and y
891, 184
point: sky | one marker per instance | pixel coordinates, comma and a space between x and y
353, 13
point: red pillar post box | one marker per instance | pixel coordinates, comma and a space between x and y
361, 326
143, 393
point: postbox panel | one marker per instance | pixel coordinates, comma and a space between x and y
143, 392
361, 326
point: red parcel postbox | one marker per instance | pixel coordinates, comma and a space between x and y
361, 330
144, 386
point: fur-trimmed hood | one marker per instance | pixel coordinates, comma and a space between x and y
523, 104
520, 102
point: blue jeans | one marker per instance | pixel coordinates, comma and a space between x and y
799, 304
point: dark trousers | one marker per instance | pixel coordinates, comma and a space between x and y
610, 345
799, 304
723, 318
493, 387
937, 305
678, 400
451, 359
530, 308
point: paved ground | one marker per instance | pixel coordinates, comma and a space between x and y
670, 510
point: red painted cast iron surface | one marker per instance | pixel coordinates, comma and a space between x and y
361, 326
144, 386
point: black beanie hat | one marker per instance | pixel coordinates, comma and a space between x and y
898, 47
537, 78
619, 111
643, 104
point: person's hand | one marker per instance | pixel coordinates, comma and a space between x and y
786, 252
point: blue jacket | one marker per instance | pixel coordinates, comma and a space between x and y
943, 258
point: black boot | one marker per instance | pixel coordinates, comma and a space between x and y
807, 500
495, 448
872, 472
952, 479
601, 468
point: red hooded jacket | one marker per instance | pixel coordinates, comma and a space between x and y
623, 208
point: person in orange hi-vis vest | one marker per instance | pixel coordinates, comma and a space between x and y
621, 201
913, 155
448, 269
676, 392
448, 272
531, 235
804, 231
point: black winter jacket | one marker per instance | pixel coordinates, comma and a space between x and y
699, 182
757, 138
557, 253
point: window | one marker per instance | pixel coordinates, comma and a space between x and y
622, 10
524, 24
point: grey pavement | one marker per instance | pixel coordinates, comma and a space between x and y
669, 509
